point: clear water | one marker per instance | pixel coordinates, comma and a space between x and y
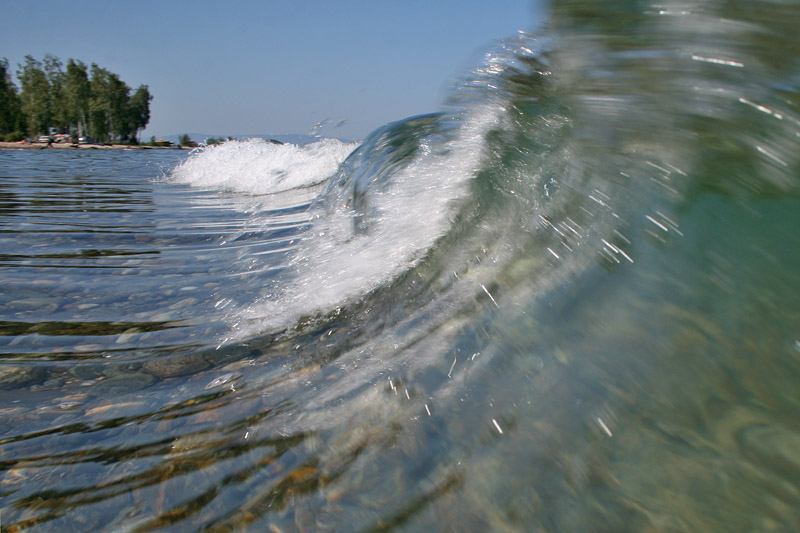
567, 302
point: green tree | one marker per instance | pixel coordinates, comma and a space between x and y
76, 88
139, 109
185, 140
10, 106
72, 102
56, 95
119, 95
34, 95
99, 104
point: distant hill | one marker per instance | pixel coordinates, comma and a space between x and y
293, 138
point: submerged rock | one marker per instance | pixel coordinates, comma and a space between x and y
12, 377
122, 383
176, 366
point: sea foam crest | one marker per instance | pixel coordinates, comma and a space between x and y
336, 264
257, 166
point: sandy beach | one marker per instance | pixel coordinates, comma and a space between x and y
65, 146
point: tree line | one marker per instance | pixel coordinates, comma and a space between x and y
80, 101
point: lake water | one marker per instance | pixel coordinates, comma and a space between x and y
570, 301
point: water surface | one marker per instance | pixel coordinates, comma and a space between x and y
566, 302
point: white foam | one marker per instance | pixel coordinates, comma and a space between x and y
257, 166
334, 266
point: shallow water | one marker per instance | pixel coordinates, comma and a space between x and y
567, 302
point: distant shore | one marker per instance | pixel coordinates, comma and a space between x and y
65, 146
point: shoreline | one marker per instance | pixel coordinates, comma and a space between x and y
63, 146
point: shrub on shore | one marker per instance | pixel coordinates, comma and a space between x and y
13, 137
186, 141
211, 141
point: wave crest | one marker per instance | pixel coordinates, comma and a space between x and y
257, 166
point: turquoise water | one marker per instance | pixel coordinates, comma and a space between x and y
566, 302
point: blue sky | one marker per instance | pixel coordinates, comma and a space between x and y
231, 68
